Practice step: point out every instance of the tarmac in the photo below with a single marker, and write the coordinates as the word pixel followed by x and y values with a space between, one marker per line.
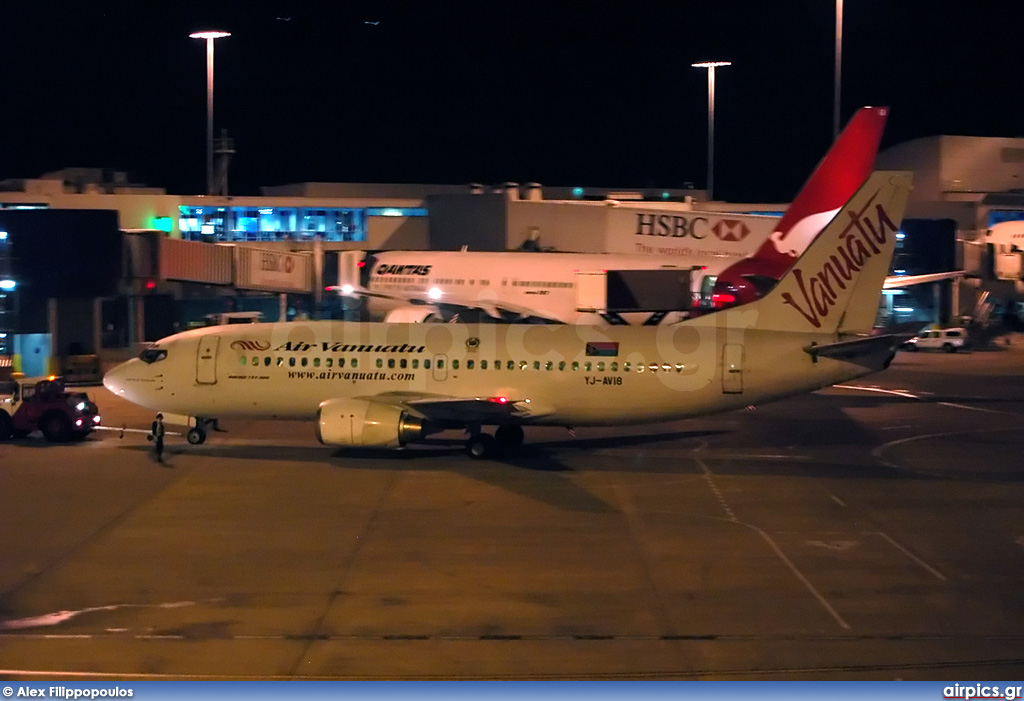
pixel 874 531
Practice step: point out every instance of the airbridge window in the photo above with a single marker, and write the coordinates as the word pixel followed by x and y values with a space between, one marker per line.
pixel 152 355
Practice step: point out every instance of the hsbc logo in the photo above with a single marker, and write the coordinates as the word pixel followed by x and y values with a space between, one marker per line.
pixel 730 230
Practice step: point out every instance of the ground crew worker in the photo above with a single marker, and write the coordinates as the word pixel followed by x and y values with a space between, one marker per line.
pixel 158 437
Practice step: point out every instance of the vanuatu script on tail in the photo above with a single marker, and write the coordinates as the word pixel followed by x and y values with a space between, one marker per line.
pixel 858 243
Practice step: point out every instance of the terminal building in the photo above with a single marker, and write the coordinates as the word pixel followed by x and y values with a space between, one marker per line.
pixel 161 262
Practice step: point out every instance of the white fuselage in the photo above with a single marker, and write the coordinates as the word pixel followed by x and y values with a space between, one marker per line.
pixel 556 375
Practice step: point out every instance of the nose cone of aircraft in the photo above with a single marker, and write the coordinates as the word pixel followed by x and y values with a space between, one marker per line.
pixel 113 380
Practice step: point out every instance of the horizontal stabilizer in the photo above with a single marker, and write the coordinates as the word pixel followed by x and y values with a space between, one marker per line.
pixel 862 346
pixel 898 281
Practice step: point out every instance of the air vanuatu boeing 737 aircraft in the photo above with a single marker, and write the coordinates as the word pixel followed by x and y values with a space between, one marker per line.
pixel 385 385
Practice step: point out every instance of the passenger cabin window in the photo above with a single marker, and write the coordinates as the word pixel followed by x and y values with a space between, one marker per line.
pixel 455 364
pixel 152 355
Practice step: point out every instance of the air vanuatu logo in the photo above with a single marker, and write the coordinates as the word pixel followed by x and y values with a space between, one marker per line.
pixel 247 345
pixel 858 243
pixel 730 230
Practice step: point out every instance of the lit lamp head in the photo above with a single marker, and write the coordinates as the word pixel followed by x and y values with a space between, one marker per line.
pixel 711 64
pixel 209 34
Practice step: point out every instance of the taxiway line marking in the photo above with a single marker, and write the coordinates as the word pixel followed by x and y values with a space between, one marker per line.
pixel 912 556
pixel 799 575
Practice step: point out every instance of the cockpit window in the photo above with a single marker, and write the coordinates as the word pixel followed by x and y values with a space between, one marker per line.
pixel 152 355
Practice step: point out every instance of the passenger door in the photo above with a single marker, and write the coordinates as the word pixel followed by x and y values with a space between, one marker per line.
pixel 206 360
pixel 732 368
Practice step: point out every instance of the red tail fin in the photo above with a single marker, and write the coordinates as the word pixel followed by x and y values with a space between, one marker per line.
pixel 841 172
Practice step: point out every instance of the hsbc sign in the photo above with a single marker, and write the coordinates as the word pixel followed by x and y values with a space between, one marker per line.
pixel 686 233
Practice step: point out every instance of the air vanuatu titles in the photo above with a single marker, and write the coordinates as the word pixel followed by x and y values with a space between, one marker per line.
pixel 303 347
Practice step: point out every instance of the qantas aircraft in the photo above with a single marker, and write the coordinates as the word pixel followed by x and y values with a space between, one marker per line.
pixel 413 286
pixel 386 385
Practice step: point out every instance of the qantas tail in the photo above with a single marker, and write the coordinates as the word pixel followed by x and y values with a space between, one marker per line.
pixel 843 169
pixel 834 287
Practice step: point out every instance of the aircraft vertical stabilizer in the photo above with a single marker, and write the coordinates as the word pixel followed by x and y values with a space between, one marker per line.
pixel 835 285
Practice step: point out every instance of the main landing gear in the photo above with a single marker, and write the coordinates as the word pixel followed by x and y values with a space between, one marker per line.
pixel 481 445
pixel 197 434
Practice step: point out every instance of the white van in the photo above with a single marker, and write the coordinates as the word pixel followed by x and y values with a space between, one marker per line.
pixel 949 340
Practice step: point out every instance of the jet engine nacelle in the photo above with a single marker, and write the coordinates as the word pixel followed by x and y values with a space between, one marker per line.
pixel 359 423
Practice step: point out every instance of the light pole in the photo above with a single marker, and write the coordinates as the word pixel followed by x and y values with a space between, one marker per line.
pixel 209 36
pixel 839 69
pixel 711 66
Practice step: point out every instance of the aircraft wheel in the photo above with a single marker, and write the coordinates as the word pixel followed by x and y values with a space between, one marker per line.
pixel 479 446
pixel 509 435
pixel 196 436
pixel 6 426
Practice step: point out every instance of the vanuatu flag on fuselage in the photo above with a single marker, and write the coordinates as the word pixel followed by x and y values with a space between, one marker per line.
pixel 603 348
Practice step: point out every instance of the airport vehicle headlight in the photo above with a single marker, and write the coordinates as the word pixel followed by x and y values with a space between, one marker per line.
pixel 80 406
pixel 78 423
pixel 96 419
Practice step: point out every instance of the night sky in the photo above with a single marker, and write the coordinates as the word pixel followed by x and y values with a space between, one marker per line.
pixel 492 91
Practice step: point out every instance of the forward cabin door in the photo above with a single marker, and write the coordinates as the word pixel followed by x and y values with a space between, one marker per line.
pixel 206 360
pixel 732 368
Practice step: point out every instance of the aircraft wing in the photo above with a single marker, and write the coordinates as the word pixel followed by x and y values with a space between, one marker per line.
pixel 463 410
pixel 897 281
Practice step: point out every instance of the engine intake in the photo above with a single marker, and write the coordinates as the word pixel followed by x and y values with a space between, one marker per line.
pixel 359 423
